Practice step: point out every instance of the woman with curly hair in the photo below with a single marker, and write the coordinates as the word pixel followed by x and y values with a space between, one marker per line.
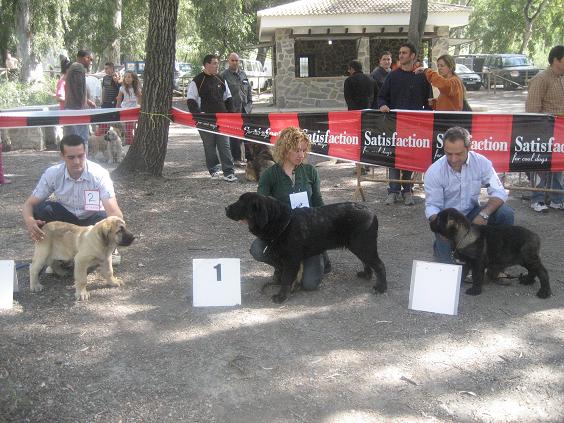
pixel 291 175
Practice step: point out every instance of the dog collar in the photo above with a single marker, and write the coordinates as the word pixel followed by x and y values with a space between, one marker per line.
pixel 458 244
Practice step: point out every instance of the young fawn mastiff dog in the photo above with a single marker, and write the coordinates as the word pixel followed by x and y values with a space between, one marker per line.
pixel 86 245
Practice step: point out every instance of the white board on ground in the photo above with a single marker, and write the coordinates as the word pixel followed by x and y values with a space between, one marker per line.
pixel 216 282
pixel 435 287
pixel 8 283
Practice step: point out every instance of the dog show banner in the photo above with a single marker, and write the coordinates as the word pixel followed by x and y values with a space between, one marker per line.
pixel 409 140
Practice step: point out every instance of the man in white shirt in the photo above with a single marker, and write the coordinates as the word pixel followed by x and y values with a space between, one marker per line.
pixel 455 180
pixel 84 193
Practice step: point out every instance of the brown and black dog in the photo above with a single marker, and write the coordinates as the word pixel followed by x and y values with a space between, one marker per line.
pixel 494 248
pixel 260 160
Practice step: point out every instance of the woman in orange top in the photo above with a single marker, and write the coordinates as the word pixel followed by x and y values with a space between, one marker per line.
pixel 450 86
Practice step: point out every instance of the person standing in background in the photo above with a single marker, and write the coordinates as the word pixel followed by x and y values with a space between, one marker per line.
pixel 76 97
pixel 129 96
pixel 546 95
pixel 242 95
pixel 110 90
pixel 60 89
pixel 448 83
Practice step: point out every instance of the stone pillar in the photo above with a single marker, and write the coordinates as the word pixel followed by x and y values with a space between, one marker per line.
pixel 285 65
pixel 439 45
pixel 364 54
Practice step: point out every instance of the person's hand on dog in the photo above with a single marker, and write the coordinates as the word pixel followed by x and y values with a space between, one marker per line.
pixel 34 229
pixel 479 220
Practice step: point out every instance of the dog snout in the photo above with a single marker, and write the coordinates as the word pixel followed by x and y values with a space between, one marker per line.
pixel 126 238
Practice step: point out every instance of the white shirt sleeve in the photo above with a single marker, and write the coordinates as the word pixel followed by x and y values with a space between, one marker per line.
pixel 434 192
pixel 45 185
pixel 192 93
pixel 227 92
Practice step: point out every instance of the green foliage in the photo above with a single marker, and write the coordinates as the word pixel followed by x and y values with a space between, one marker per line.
pixel 17 94
pixel 498 26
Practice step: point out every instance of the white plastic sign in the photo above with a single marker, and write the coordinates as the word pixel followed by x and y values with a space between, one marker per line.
pixel 216 282
pixel 435 287
pixel 8 283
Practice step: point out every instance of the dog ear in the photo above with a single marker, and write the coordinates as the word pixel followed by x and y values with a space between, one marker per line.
pixel 108 231
pixel 259 214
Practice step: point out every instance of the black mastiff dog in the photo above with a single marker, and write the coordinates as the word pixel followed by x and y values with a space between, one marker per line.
pixel 293 235
pixel 494 248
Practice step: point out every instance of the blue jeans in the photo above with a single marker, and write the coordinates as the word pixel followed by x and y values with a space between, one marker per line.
pixel 396 186
pixel 550 180
pixel 442 248
pixel 213 142
pixel 314 267
pixel 50 211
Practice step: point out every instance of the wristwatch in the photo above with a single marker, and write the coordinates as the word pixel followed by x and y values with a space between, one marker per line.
pixel 484 215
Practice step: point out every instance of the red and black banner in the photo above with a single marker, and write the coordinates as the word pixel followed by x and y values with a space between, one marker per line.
pixel 403 139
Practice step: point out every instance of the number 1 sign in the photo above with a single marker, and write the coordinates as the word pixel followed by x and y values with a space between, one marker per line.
pixel 216 282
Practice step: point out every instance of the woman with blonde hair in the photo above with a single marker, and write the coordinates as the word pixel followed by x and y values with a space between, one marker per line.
pixel 450 86
pixel 292 175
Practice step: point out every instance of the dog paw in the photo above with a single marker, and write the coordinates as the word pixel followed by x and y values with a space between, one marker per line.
pixel 36 288
pixel 526 279
pixel 364 275
pixel 279 299
pixel 475 290
pixel 82 295
pixel 115 282
pixel 544 293
pixel 380 289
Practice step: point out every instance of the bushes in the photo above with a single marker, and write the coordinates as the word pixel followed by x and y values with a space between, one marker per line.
pixel 17 94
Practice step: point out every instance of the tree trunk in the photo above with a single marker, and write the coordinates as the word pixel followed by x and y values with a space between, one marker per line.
pixel 148 152
pixel 23 35
pixel 417 20
pixel 530 15
pixel 114 47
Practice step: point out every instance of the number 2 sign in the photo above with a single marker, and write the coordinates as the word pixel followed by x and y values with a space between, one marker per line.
pixel 216 282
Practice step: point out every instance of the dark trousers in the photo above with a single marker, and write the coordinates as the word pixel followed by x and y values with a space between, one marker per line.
pixel 50 211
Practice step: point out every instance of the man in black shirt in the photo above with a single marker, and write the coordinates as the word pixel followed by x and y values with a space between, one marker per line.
pixel 209 93
pixel 359 88
pixel 403 89
pixel 110 90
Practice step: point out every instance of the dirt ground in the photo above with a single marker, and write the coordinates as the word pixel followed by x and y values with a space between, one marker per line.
pixel 142 353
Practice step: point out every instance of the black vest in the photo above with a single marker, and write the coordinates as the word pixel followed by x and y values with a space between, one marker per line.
pixel 211 89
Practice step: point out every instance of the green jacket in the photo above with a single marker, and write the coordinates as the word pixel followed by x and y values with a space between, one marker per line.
pixel 275 183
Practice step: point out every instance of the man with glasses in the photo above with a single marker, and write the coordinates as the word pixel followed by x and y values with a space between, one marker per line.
pixel 76 96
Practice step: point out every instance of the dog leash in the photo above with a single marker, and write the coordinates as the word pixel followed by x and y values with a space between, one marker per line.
pixel 279 233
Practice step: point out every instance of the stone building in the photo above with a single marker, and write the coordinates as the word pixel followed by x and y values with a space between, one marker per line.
pixel 313 40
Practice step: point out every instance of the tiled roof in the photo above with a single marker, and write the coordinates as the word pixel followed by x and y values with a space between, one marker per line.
pixel 352 7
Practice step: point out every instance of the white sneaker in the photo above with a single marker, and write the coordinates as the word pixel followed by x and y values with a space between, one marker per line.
pixel 557 206
pixel 391 198
pixel 215 175
pixel 230 178
pixel 49 270
pixel 408 199
pixel 539 207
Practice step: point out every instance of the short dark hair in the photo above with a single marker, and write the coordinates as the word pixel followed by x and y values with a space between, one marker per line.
pixel 355 65
pixel 385 53
pixel 410 46
pixel 556 53
pixel 110 64
pixel 457 133
pixel 71 140
pixel 83 53
pixel 209 57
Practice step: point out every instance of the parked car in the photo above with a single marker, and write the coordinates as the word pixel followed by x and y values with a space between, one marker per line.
pixel 474 62
pixel 470 79
pixel 183 74
pixel 510 70
pixel 258 75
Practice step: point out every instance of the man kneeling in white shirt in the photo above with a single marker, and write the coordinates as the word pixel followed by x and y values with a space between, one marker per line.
pixel 455 180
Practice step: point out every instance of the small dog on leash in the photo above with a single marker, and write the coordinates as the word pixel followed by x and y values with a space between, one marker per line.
pixel 109 144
